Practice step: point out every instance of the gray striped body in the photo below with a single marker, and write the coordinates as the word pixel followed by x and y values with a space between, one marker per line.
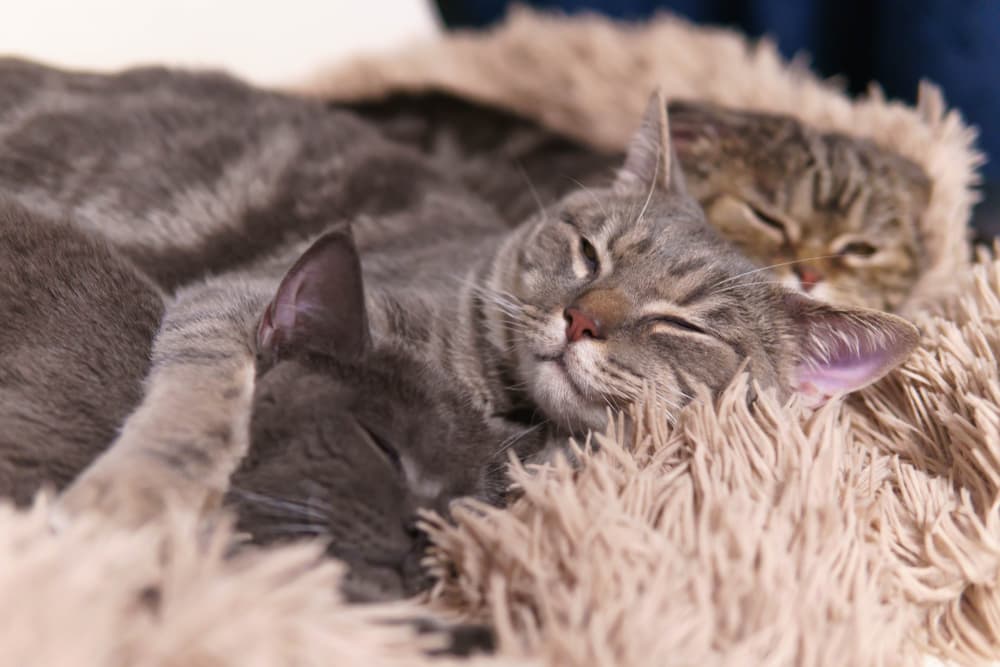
pixel 214 189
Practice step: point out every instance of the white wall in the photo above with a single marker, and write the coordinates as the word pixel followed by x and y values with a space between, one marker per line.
pixel 267 42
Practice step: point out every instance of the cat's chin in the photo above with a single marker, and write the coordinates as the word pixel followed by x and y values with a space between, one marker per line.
pixel 561 397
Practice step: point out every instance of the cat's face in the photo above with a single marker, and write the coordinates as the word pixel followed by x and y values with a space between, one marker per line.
pixel 837 217
pixel 612 289
pixel 350 440
pixel 615 291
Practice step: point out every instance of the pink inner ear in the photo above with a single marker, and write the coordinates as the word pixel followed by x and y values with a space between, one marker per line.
pixel 681 137
pixel 845 349
pixel 847 371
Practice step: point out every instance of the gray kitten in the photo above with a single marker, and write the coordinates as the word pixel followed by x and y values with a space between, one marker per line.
pixel 349 439
pixel 214 189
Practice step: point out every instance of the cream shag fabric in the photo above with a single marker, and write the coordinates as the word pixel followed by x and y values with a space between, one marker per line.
pixel 863 534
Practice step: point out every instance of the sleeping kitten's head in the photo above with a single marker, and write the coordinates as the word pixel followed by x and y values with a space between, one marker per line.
pixel 839 215
pixel 611 288
pixel 349 438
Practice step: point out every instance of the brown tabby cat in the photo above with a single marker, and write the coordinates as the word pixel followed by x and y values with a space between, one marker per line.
pixel 833 215
pixel 215 190
pixel 838 215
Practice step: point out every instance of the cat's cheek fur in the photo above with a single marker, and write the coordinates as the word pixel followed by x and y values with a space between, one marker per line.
pixel 582 362
pixel 556 389
pixel 552 335
pixel 791 281
pixel 546 339
pixel 569 388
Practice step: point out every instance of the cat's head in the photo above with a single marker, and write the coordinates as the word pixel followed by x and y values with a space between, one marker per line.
pixel 613 288
pixel 349 438
pixel 837 215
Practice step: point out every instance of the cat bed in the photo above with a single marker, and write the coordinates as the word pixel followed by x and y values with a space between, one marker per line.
pixel 866 533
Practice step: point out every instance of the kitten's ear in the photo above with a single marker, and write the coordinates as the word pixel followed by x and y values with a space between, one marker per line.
pixel 697 129
pixel 915 183
pixel 320 304
pixel 650 161
pixel 845 349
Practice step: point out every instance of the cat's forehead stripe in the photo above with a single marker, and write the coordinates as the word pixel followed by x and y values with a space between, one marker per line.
pixel 686 267
pixel 628 236
pixel 702 289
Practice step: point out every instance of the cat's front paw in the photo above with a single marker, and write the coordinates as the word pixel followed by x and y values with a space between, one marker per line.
pixel 127 494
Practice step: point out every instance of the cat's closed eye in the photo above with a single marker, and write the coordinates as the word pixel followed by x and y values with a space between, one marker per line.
pixel 767 219
pixel 858 249
pixel 673 322
pixel 382 445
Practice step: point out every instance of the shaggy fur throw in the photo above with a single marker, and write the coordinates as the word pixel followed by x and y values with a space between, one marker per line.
pixel 866 533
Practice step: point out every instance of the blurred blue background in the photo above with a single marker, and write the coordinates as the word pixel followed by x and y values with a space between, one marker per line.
pixel 954 43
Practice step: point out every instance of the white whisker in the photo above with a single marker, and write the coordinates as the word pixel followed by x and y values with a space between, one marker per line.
pixel 534 192
pixel 593 195
pixel 757 283
pixel 289 507
pixel 652 187
pixel 773 266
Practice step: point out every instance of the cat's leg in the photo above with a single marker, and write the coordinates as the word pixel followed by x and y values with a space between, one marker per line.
pixel 191 429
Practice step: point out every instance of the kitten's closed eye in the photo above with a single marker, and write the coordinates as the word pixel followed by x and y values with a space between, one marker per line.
pixel 380 443
pixel 858 249
pixel 767 219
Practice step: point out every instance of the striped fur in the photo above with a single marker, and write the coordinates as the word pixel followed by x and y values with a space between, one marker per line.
pixel 214 189
pixel 828 212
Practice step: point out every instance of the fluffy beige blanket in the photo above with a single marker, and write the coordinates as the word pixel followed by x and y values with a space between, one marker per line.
pixel 866 533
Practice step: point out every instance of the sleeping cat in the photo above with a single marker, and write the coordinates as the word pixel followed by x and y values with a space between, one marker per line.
pixel 349 439
pixel 839 212
pixel 214 189
pixel 78 325
pixel 835 216
pixel 344 439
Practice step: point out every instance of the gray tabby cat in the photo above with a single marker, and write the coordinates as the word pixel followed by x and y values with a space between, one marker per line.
pixel 833 215
pixel 215 188
pixel 194 175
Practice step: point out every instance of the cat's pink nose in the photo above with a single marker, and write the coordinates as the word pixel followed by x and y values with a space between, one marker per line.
pixel 581 325
pixel 808 277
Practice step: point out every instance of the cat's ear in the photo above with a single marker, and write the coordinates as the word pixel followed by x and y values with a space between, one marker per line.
pixel 320 304
pixel 699 128
pixel 651 161
pixel 844 349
